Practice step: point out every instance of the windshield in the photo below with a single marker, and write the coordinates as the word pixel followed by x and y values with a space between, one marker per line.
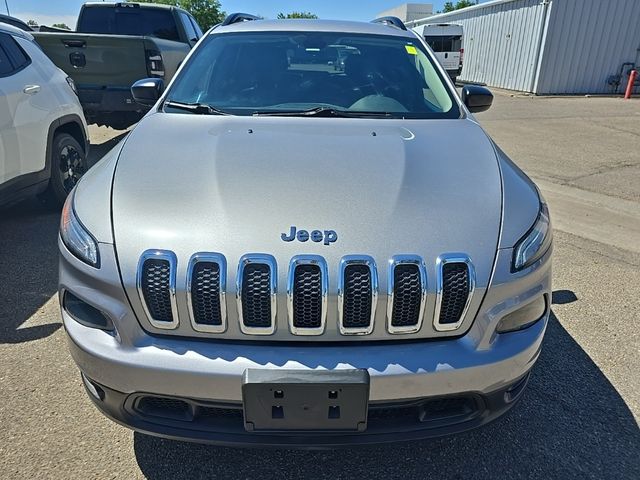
pixel 129 21
pixel 292 72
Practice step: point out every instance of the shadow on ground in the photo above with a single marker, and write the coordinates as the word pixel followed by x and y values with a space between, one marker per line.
pixel 571 423
pixel 29 268
pixel 29 261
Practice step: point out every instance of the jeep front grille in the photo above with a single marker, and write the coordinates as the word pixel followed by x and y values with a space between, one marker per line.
pixel 256 292
pixel 307 295
pixel 357 295
pixel 407 294
pixel 156 284
pixel 456 283
pixel 206 289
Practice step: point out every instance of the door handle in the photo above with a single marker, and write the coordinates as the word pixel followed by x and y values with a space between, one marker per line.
pixel 31 89
pixel 74 43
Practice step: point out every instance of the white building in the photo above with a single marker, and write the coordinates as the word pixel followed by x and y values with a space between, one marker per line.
pixel 409 11
pixel 549 46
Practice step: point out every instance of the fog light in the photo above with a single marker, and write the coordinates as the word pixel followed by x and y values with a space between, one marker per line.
pixel 524 316
pixel 84 313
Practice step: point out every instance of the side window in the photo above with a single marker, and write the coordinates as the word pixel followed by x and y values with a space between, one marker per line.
pixel 196 27
pixel 5 66
pixel 188 27
pixel 12 57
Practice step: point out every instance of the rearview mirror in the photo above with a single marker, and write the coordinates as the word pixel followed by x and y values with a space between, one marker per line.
pixel 477 98
pixel 147 91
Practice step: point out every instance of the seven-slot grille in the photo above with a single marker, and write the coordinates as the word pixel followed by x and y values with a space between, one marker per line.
pixel 205 294
pixel 206 285
pixel 307 297
pixel 256 302
pixel 407 293
pixel 307 289
pixel 256 290
pixel 156 287
pixel 155 284
pixel 307 294
pixel 357 295
pixel 407 296
pixel 456 282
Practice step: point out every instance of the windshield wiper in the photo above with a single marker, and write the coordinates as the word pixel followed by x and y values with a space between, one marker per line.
pixel 197 108
pixel 319 112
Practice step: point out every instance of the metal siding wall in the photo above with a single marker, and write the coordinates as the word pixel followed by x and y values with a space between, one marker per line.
pixel 587 41
pixel 500 42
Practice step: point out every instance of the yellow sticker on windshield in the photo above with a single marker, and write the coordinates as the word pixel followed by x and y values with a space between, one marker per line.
pixel 411 50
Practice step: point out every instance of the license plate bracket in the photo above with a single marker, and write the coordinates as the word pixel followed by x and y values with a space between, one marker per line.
pixel 305 400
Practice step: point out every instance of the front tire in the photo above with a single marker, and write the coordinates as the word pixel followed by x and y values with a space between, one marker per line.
pixel 68 164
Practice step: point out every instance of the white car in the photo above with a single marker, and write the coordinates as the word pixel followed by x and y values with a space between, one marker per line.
pixel 43 132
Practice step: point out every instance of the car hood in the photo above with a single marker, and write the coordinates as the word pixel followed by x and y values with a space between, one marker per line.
pixel 234 185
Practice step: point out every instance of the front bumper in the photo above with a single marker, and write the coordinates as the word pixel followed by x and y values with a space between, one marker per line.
pixel 482 368
pixel 406 378
pixel 213 370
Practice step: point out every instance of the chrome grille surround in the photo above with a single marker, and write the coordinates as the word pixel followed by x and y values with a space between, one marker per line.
pixel 270 262
pixel 371 264
pixel 393 263
pixel 441 261
pixel 208 257
pixel 171 258
pixel 324 279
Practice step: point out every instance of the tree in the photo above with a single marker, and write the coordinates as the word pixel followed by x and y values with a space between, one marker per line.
pixel 61 25
pixel 32 23
pixel 282 16
pixel 206 12
pixel 450 7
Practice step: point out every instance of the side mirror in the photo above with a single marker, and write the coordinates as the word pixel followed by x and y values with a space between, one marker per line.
pixel 476 98
pixel 147 91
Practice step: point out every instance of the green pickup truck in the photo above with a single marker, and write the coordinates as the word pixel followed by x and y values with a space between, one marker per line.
pixel 114 45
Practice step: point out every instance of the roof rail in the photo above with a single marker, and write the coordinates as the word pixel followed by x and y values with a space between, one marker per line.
pixel 392 21
pixel 237 18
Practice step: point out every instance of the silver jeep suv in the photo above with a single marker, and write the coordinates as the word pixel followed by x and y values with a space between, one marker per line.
pixel 308 241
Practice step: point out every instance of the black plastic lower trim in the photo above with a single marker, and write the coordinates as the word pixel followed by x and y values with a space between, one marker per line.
pixel 203 421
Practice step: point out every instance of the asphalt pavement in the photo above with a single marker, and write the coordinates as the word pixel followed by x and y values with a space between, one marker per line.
pixel 578 418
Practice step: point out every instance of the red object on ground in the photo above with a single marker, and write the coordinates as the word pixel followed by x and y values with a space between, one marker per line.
pixel 632 79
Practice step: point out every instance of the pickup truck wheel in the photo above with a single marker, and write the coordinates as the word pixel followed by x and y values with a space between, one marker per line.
pixel 68 164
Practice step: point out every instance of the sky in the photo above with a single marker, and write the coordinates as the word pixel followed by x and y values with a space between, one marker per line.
pixel 47 12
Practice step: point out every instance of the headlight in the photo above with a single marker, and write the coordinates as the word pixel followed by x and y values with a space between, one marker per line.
pixel 535 243
pixel 75 236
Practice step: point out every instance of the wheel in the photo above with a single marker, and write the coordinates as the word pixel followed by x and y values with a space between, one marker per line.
pixel 68 164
